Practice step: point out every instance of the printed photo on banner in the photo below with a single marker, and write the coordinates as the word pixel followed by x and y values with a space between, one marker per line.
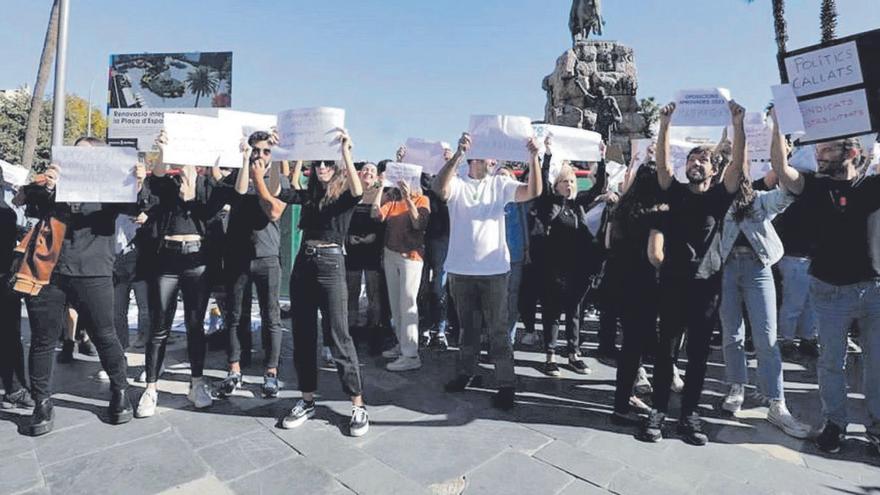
pixel 500 137
pixel 569 143
pixel 702 108
pixel 310 134
pixel 431 155
pixel 99 174
pixel 402 172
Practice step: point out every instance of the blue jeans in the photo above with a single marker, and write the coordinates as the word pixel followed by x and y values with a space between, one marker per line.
pixel 747 281
pixel 796 315
pixel 837 307
pixel 435 258
pixel 513 283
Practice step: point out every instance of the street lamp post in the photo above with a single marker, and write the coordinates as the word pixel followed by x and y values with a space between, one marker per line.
pixel 60 70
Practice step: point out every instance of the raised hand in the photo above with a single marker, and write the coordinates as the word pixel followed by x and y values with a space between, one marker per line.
pixel 666 114
pixel 401 153
pixel 737 112
pixel 405 190
pixel 52 174
pixel 464 143
pixel 258 168
pixel 533 147
pixel 162 140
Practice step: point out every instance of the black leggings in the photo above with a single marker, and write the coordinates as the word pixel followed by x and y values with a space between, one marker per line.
pixel 11 350
pixel 187 272
pixel 639 323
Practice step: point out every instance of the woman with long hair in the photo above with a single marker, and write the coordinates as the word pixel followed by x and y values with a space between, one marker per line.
pixel 634 225
pixel 404 210
pixel 749 248
pixel 318 281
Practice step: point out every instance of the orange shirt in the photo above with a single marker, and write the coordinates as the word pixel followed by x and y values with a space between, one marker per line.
pixel 400 234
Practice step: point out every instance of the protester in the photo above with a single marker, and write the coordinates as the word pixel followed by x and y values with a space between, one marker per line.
pixel 571 258
pixel 82 248
pixel 405 211
pixel 363 259
pixel 749 247
pixel 251 256
pixel 516 228
pixel 185 205
pixel 690 283
pixel 843 287
pixel 636 253
pixel 318 281
pixel 478 262
pixel 125 278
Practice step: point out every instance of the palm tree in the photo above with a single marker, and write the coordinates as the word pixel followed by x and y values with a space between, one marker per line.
pixel 33 122
pixel 828 19
pixel 202 82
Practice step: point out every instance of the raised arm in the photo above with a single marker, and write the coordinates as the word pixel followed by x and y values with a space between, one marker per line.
pixel 734 171
pixel 296 175
pixel 665 173
pixel 443 180
pixel 354 182
pixel 418 215
pixel 273 207
pixel 532 190
pixel 788 176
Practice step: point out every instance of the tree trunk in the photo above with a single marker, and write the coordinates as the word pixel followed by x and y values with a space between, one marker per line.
pixel 48 55
pixel 781 30
pixel 828 20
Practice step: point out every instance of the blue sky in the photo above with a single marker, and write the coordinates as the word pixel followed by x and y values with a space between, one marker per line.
pixel 418 68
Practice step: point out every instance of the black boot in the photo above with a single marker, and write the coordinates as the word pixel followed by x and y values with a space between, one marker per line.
pixel 43 418
pixel 120 410
pixel 66 355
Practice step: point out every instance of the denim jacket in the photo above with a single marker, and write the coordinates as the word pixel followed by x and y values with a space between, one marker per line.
pixel 757 227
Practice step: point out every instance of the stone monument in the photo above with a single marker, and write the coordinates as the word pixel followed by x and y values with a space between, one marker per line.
pixel 594 84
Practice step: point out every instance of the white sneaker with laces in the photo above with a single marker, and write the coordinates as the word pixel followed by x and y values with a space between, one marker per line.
pixel 300 413
pixel 642 385
pixel 780 416
pixel 200 393
pixel 404 363
pixel 147 404
pixel 677 383
pixel 360 421
pixel 392 353
pixel 735 398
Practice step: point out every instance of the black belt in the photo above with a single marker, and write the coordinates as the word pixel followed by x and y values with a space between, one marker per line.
pixel 318 250
pixel 182 247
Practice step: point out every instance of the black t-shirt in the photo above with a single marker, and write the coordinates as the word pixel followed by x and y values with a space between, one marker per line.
pixel 839 211
pixel 89 247
pixel 364 256
pixel 8 235
pixel 179 217
pixel 438 220
pixel 795 227
pixel 629 240
pixel 328 224
pixel 693 221
pixel 249 234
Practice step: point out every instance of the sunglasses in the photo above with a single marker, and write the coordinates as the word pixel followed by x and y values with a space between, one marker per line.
pixel 263 151
pixel 324 165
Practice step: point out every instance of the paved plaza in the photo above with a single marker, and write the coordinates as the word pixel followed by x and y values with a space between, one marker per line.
pixel 558 440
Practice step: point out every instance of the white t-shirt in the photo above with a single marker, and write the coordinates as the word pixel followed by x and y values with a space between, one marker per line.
pixel 477 238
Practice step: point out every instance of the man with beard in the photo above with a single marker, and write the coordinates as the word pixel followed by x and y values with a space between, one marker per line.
pixel 845 282
pixel 690 282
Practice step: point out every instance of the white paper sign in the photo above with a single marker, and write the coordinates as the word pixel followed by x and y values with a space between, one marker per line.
pixel 428 154
pixel 142 125
pixel 757 170
pixel 402 172
pixel 803 158
pixel 788 112
pixel 311 133
pixel 248 122
pixel 759 137
pixel 616 173
pixel 836 115
pixel 95 174
pixel 569 143
pixel 202 141
pixel 500 137
pixel 824 69
pixel 640 150
pixel 702 108
pixel 13 174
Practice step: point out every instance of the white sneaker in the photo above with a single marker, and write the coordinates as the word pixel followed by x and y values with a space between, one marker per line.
pixel 782 418
pixel 530 339
pixel 677 383
pixel 300 413
pixel 142 377
pixel 360 421
pixel 200 393
pixel 101 376
pixel 735 398
pixel 642 385
pixel 147 405
pixel 327 356
pixel 392 353
pixel 404 363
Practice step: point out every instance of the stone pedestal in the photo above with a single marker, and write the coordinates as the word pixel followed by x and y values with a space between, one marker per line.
pixel 575 83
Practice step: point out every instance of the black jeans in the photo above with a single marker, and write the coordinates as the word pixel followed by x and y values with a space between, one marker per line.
pixel 189 273
pixel 612 293
pixel 532 284
pixel 639 324
pixel 563 292
pixel 11 350
pixel 685 303
pixel 318 283
pixel 92 297
pixel 265 273
pixel 123 283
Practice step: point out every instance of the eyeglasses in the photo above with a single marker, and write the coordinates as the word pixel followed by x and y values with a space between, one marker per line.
pixel 263 151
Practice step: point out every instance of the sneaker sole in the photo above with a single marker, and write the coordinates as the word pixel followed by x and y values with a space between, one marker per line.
pixel 289 425
pixel 649 438
pixel 36 431
pixel 408 368
pixel 359 432
pixel 147 414
pixel 121 419
pixel 799 434
pixel 732 411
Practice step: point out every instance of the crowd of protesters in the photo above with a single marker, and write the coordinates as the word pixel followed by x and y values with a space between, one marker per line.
pixel 787 264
